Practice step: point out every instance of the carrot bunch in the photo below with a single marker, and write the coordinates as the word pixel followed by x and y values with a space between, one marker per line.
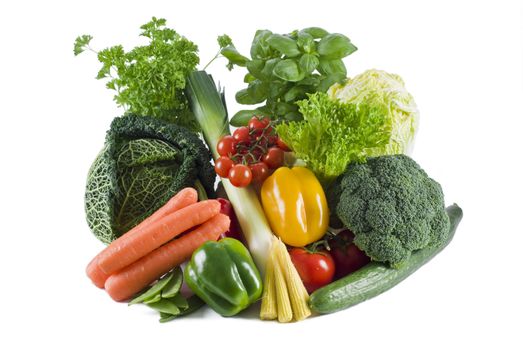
pixel 153 248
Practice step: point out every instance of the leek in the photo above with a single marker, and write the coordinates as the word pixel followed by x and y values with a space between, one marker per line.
pixel 208 106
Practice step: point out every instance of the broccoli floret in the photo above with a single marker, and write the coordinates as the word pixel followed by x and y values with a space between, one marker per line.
pixel 392 207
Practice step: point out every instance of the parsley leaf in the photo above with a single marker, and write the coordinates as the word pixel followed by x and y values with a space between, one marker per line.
pixel 149 80
pixel 81 44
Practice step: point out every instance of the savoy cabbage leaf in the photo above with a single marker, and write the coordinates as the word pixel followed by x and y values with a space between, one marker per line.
pixel 144 163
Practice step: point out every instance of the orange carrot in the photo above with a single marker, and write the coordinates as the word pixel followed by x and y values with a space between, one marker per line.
pixel 97 276
pixel 129 248
pixel 185 197
pixel 133 278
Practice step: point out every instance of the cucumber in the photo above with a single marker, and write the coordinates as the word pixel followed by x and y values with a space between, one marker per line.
pixel 376 278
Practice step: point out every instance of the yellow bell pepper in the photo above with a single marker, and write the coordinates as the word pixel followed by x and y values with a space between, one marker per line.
pixel 295 205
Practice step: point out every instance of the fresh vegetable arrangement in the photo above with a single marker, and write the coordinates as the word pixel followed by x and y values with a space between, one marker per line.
pixel 319 206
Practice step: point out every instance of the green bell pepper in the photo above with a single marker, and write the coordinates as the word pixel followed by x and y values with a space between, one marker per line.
pixel 224 275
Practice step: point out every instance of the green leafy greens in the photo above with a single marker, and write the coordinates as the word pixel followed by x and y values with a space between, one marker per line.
pixel 145 162
pixel 149 80
pixel 371 115
pixel 283 69
pixel 333 134
pixel 378 87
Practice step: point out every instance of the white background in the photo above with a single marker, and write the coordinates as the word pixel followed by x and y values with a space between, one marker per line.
pixel 462 61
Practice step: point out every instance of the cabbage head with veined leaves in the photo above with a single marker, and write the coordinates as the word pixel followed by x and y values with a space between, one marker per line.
pixel 144 162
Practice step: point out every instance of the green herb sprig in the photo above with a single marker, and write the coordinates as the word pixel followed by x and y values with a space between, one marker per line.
pixel 283 69
pixel 150 79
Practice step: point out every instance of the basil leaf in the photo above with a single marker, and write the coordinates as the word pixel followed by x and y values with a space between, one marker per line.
pixel 316 32
pixel 260 48
pixel 329 80
pixel 308 63
pixel 329 67
pixel 293 116
pixel 249 78
pixel 335 46
pixel 241 118
pixel 277 88
pixel 284 108
pixel 288 70
pixel 306 42
pixel 244 97
pixel 267 71
pixel 312 81
pixel 153 291
pixel 258 91
pixel 284 44
pixel 296 92
pixel 173 287
pixel 234 56
pixel 255 68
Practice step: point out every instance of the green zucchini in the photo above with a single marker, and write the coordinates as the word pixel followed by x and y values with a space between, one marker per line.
pixel 376 278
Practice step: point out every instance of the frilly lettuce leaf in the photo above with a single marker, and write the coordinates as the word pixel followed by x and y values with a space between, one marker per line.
pixel 370 115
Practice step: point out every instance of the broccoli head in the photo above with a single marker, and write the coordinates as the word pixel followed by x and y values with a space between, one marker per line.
pixel 392 207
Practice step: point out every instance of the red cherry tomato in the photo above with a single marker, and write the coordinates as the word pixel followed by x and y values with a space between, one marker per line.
pixel 241 135
pixel 273 158
pixel 226 146
pixel 316 269
pixel 282 145
pixel 223 165
pixel 260 171
pixel 256 124
pixel 272 139
pixel 347 256
pixel 266 121
pixel 240 175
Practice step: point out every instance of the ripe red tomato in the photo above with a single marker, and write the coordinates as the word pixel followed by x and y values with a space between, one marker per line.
pixel 282 145
pixel 223 165
pixel 347 256
pixel 241 135
pixel 226 146
pixel 316 269
pixel 273 158
pixel 240 175
pixel 257 124
pixel 260 171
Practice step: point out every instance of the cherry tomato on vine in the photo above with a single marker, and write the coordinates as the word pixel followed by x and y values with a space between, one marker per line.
pixel 272 139
pixel 223 165
pixel 256 124
pixel 266 121
pixel 282 145
pixel 226 146
pixel 273 158
pixel 240 175
pixel 315 269
pixel 241 134
pixel 260 171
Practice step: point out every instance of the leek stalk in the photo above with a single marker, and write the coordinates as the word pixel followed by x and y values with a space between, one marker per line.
pixel 208 105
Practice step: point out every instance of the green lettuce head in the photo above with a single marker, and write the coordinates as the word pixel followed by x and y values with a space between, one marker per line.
pixel 384 90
